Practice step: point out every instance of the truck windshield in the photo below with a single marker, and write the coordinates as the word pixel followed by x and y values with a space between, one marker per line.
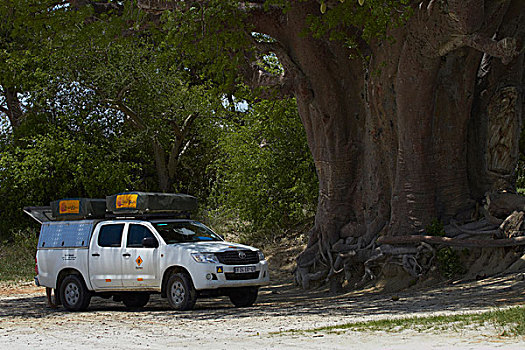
pixel 185 231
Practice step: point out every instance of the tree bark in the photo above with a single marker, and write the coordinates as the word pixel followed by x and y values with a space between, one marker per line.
pixel 419 131
pixel 416 134
pixel 13 107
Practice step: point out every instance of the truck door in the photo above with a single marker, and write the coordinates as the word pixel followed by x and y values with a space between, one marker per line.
pixel 140 265
pixel 105 256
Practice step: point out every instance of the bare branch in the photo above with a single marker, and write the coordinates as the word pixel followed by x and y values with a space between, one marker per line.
pixel 505 49
pixel 188 122
pixel 132 115
pixel 176 150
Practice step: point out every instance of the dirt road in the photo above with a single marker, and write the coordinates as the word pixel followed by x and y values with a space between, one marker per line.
pixel 26 322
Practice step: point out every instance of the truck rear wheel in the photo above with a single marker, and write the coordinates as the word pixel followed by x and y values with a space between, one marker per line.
pixel 180 292
pixel 74 294
pixel 135 300
pixel 244 296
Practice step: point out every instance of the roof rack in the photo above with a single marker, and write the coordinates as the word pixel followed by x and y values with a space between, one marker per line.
pixel 150 216
pixel 127 205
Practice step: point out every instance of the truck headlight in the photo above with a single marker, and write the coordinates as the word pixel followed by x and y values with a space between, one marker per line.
pixel 260 255
pixel 205 258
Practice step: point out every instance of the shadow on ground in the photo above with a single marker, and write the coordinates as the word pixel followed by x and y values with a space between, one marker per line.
pixel 285 300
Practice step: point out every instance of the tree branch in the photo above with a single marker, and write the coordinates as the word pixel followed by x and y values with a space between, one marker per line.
pixel 176 151
pixel 14 111
pixel 505 49
pixel 4 110
pixel 256 77
pixel 132 115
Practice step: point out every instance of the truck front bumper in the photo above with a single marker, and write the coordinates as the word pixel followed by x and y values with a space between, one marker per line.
pixel 215 276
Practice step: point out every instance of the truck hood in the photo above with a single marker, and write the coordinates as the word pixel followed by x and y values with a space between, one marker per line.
pixel 210 247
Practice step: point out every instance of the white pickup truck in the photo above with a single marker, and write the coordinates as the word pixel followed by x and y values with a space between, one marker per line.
pixel 129 259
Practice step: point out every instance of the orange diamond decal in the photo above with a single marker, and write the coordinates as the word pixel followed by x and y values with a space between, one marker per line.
pixel 139 261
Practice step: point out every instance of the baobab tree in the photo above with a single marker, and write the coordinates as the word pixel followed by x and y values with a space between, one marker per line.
pixel 412 110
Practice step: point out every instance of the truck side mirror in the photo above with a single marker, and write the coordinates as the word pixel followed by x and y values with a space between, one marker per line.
pixel 150 242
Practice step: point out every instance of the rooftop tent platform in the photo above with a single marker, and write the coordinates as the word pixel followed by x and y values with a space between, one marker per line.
pixel 150 203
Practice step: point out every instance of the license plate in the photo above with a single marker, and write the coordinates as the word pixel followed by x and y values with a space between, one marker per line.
pixel 244 269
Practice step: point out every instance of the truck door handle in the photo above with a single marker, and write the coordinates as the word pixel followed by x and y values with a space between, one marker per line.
pixel 95 254
pixel 127 255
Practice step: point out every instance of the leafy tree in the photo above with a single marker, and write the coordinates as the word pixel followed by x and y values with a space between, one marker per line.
pixel 59 164
pixel 137 75
pixel 265 172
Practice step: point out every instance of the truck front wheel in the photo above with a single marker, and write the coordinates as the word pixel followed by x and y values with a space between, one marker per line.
pixel 180 292
pixel 244 296
pixel 74 294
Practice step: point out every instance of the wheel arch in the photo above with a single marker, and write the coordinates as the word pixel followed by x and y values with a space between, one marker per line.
pixel 166 276
pixel 70 271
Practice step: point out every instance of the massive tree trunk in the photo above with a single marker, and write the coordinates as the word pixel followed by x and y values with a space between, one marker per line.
pixel 418 133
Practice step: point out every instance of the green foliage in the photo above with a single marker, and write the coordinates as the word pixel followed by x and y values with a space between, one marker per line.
pixel 449 263
pixel 75 70
pixel 266 176
pixel 435 228
pixel 372 19
pixel 210 41
pixel 142 80
pixel 58 165
pixel 18 256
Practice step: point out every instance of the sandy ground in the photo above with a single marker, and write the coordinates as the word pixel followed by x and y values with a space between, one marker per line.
pixel 26 321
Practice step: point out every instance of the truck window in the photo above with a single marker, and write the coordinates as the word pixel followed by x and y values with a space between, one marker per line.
pixel 110 235
pixel 136 234
pixel 185 231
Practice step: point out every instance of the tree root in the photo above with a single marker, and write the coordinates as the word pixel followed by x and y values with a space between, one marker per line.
pixel 466 243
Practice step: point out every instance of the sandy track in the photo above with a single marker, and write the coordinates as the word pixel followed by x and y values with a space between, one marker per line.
pixel 26 322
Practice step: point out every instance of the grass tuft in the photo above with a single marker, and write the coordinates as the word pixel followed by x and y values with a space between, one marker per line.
pixel 508 323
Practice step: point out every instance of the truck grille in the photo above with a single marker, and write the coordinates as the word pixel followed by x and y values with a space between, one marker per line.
pixel 242 276
pixel 238 257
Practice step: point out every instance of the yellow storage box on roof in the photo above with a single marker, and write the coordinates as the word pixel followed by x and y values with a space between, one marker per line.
pixel 126 201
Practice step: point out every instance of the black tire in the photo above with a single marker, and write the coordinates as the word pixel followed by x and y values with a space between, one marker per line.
pixel 135 300
pixel 180 292
pixel 244 296
pixel 74 294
